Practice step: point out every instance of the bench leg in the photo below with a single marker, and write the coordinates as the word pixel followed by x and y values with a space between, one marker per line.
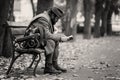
pixel 37 65
pixel 13 60
pixel 34 57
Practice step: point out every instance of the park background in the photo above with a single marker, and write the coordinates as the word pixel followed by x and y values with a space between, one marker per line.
pixel 85 59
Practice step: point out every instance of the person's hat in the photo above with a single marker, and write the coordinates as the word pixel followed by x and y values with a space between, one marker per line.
pixel 58 12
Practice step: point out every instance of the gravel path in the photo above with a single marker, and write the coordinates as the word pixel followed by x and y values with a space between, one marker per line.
pixel 94 59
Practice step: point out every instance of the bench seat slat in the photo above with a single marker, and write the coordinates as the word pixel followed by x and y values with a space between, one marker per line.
pixel 18 24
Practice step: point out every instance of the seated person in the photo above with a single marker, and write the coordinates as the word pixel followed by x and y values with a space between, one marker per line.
pixel 44 24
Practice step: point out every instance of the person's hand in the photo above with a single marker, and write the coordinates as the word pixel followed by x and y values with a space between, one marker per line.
pixel 66 38
pixel 70 37
pixel 63 39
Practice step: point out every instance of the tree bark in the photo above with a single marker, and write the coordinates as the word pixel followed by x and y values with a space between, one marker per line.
pixel 33 7
pixel 70 19
pixel 6 46
pixel 109 23
pixel 43 5
pixel 104 17
pixel 98 15
pixel 113 8
pixel 11 16
pixel 88 7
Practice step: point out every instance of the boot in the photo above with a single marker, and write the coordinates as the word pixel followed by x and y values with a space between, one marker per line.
pixel 57 67
pixel 50 69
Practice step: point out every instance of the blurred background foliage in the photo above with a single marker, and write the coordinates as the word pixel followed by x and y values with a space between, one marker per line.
pixel 79 17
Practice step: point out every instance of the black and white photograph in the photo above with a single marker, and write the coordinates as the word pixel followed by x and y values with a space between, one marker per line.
pixel 59 39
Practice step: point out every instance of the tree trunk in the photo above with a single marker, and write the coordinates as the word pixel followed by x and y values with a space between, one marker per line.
pixel 104 17
pixel 11 16
pixel 6 47
pixel 88 7
pixel 113 8
pixel 70 19
pixel 43 5
pixel 109 23
pixel 98 15
pixel 33 7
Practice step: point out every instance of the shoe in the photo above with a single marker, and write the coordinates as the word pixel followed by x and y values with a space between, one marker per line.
pixel 57 67
pixel 49 69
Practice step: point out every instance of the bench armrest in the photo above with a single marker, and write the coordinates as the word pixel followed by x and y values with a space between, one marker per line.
pixel 27 37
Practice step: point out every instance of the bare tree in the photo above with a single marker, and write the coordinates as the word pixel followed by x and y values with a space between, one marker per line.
pixel 6 47
pixel 88 9
pixel 103 12
pixel 11 16
pixel 71 11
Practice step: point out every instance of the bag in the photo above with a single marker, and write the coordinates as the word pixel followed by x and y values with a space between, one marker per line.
pixel 32 41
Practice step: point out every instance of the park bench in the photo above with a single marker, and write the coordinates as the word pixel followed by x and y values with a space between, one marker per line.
pixel 19 48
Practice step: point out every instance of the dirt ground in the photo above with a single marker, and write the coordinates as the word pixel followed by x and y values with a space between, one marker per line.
pixel 94 59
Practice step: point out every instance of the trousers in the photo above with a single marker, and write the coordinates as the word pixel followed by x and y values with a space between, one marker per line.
pixel 49 58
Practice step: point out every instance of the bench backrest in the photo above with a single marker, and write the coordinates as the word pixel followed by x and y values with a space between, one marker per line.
pixel 18 28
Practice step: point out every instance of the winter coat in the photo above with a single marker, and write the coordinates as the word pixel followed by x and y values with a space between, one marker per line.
pixel 45 28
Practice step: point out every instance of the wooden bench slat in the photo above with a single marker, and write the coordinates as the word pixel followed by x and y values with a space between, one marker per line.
pixel 18 31
pixel 18 24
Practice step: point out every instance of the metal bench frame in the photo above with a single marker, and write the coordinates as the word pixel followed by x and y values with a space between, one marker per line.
pixel 19 50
